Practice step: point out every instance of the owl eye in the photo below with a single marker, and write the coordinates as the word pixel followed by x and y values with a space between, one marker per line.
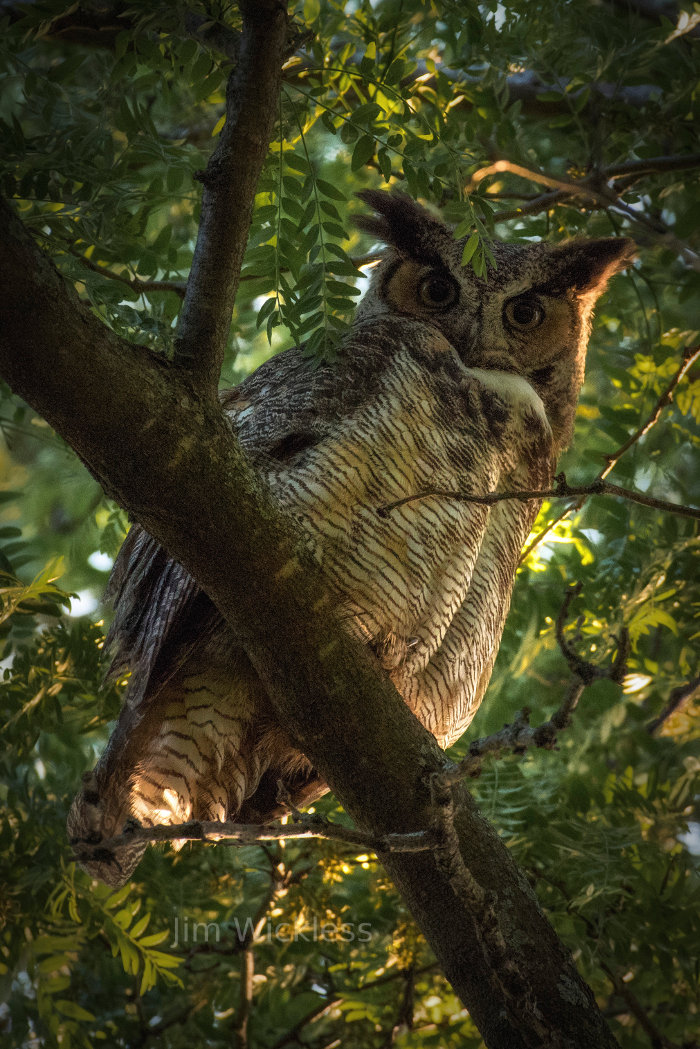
pixel 437 292
pixel 523 313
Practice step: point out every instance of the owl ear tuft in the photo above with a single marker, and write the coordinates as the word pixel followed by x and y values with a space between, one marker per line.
pixel 403 224
pixel 586 265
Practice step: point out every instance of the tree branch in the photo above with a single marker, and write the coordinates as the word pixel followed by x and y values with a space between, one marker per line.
pixel 243 834
pixel 690 356
pixel 135 283
pixel 562 490
pixel 229 183
pixel 592 188
pixel 678 696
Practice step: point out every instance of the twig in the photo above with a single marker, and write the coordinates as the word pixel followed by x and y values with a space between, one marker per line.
pixel 562 490
pixel 135 283
pixel 675 700
pixel 245 999
pixel 589 672
pixel 517 737
pixel 690 356
pixel 241 834
pixel 404 1016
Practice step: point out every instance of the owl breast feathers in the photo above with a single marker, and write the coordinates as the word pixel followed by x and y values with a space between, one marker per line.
pixel 446 381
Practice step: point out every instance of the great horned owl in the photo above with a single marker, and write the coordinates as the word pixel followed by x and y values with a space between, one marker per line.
pixel 446 381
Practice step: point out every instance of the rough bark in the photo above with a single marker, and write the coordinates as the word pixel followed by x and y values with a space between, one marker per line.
pixel 229 192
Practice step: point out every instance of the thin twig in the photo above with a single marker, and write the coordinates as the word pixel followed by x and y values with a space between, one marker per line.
pixel 562 490
pixel 678 696
pixel 517 737
pixel 690 356
pixel 652 166
pixel 135 283
pixel 240 834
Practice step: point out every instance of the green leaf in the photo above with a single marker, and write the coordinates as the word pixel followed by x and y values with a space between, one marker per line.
pixel 330 190
pixel 72 1009
pixel 363 151
pixel 469 249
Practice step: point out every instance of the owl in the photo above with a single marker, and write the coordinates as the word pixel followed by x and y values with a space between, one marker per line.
pixel 445 381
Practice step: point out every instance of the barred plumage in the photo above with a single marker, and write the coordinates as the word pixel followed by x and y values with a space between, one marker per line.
pixel 445 382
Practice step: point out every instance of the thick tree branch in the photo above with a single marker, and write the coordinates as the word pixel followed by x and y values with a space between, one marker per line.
pixel 229 190
pixel 142 430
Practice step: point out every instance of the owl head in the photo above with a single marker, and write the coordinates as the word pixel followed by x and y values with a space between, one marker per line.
pixel 531 316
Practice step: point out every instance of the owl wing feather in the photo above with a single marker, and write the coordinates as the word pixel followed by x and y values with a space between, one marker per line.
pixel 289 405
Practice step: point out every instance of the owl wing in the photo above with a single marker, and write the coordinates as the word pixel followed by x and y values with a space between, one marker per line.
pixel 160 613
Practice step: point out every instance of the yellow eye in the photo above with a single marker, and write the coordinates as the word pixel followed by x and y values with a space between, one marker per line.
pixel 437 291
pixel 524 313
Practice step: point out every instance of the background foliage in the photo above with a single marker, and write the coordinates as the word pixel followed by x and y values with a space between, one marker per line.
pixel 106 114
